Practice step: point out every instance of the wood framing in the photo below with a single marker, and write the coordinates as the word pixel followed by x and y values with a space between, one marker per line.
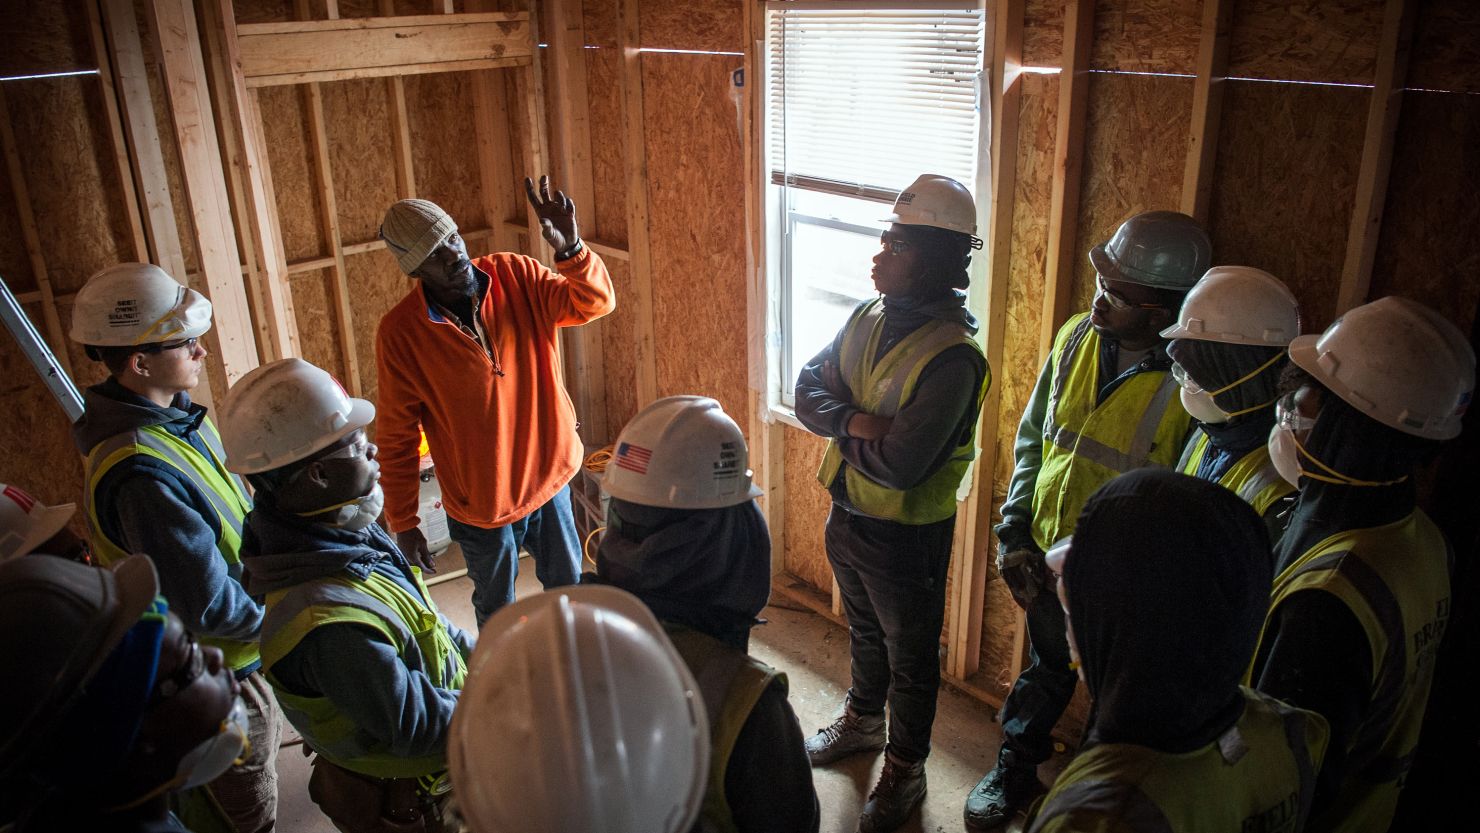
pixel 146 154
pixel 973 526
pixel 395 88
pixel 121 164
pixel 495 159
pixel 26 214
pixel 332 50
pixel 1207 109
pixel 1377 154
pixel 1063 219
pixel 178 46
pixel 638 243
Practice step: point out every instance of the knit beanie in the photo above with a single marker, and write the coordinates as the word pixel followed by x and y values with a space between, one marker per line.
pixel 413 229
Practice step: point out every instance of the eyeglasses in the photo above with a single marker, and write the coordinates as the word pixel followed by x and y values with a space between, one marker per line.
pixel 188 343
pixel 1179 373
pixel 188 672
pixel 1118 301
pixel 895 246
pixel 1286 415
pixel 356 450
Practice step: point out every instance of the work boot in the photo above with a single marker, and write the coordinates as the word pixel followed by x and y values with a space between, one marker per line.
pixel 900 790
pixel 850 733
pixel 1001 793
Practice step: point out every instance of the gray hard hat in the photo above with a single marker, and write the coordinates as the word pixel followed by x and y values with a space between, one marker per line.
pixel 1159 249
pixel 61 621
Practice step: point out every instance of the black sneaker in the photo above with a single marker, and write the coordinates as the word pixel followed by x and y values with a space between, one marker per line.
pixel 845 736
pixel 900 790
pixel 1001 793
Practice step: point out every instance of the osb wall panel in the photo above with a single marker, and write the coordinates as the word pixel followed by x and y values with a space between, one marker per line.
pixel 318 324
pixel 15 264
pixel 1285 184
pixel 1305 40
pixel 376 285
pixel 36 451
pixel 1018 371
pixel 262 11
pixel 608 139
pixel 1043 33
pixel 708 25
pixel 1446 46
pixel 444 147
pixel 285 125
pixel 1427 249
pixel 45 37
pixel 1147 35
pixel 358 126
pixel 618 335
pixel 67 158
pixel 696 201
pixel 807 505
pixel 1134 155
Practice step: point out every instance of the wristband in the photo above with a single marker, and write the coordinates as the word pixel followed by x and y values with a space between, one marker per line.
pixel 570 251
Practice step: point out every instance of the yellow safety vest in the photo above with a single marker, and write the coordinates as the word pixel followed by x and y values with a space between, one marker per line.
pixel 731 683
pixel 1253 478
pixel 383 606
pixel 224 490
pixel 1258 777
pixel 882 387
pixel 1395 580
pixel 1142 423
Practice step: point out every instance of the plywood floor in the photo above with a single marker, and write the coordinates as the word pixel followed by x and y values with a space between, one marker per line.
pixel 814 654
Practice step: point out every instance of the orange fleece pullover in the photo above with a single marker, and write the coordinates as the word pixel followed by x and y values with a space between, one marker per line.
pixel 503 445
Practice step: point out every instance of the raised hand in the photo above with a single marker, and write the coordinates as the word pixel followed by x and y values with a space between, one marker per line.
pixel 557 214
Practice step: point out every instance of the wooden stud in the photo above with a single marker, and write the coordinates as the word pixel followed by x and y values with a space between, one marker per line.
pixel 973 526
pixel 27 216
pixel 146 154
pixel 495 155
pixel 529 83
pixel 1063 219
pixel 1207 109
pixel 633 126
pixel 115 131
pixel 329 217
pixel 178 44
pixel 1377 154
pixel 395 88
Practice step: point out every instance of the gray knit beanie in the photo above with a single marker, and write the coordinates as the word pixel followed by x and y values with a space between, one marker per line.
pixel 413 229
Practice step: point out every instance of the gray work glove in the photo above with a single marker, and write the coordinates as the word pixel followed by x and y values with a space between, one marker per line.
pixel 1024 572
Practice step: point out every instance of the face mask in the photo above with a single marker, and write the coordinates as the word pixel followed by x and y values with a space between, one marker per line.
pixel 1202 408
pixel 218 753
pixel 354 515
pixel 1285 454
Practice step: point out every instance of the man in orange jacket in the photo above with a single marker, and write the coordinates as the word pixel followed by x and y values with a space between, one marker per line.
pixel 470 358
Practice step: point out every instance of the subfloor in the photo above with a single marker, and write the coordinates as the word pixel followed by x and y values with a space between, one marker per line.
pixel 814 654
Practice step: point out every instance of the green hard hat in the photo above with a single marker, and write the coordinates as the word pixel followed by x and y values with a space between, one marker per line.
pixel 1160 249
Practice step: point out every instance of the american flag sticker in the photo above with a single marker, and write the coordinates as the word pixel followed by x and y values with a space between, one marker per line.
pixel 21 498
pixel 633 457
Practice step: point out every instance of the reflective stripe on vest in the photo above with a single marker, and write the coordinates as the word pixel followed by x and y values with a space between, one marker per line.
pixel 882 388
pixel 1263 771
pixel 1395 581
pixel 1253 477
pixel 731 682
pixel 380 604
pixel 222 489
pixel 1142 423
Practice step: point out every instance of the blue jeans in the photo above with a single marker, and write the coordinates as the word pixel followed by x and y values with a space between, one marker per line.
pixel 549 533
pixel 1043 691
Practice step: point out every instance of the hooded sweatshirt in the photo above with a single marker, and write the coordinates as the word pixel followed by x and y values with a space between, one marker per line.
pixel 929 427
pixel 150 508
pixel 356 669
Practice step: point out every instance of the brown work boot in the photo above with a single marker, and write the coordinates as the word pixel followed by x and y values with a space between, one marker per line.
pixel 901 788
pixel 849 734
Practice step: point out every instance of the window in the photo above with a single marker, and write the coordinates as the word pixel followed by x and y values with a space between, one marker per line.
pixel 859 102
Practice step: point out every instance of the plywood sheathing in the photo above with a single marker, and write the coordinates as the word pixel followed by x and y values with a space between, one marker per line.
pixel 701 25
pixel 1427 247
pixel 1283 194
pixel 444 148
pixel 1446 47
pixel 36 451
pixel 1134 158
pixel 357 118
pixel 290 154
pixel 262 11
pixel 376 284
pixel 318 322
pixel 1043 33
pixel 616 346
pixel 608 142
pixel 807 505
pixel 1147 36
pixel 44 37
pixel 1333 41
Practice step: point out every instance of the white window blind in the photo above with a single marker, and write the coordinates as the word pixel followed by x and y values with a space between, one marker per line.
pixel 864 100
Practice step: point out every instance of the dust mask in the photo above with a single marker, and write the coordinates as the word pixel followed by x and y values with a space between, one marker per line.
pixel 354 515
pixel 1284 453
pixel 1202 408
pixel 217 753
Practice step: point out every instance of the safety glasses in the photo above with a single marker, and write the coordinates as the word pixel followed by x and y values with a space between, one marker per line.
pixel 1179 373
pixel 1287 416
pixel 1118 301
pixel 187 343
pixel 188 672
pixel 894 246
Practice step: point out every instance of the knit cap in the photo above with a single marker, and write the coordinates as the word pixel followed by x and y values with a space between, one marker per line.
pixel 413 229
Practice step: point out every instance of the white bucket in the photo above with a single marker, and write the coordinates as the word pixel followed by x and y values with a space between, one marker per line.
pixel 433 515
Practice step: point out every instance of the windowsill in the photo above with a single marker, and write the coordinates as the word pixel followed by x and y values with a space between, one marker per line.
pixel 785 415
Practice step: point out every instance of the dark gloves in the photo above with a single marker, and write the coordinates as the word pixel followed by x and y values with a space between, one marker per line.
pixel 1024 572
pixel 557 217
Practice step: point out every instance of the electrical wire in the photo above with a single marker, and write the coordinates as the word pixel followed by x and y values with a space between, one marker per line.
pixel 586 547
pixel 596 463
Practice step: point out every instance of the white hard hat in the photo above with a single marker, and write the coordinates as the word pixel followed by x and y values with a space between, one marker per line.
pixel 1238 305
pixel 681 452
pixel 1397 361
pixel 137 303
pixel 578 714
pixel 935 200
pixel 282 412
pixel 26 523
